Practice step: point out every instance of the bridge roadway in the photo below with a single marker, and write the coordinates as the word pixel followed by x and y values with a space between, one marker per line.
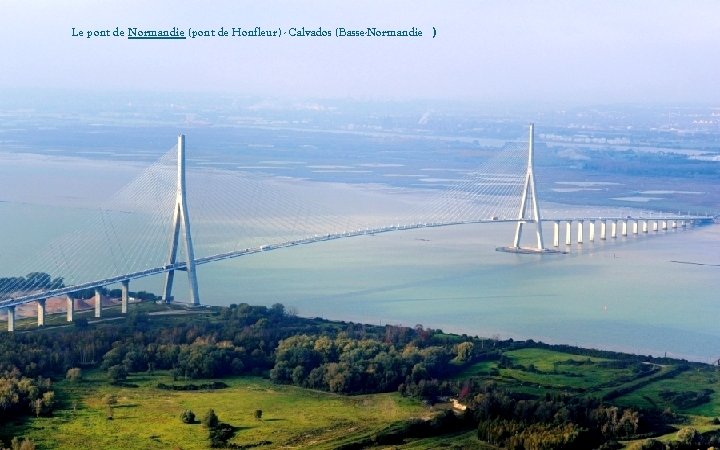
pixel 125 278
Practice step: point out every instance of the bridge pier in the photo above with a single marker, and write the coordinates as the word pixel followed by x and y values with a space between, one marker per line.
pixel 11 318
pixel 635 226
pixel 591 231
pixel 664 225
pixel 580 232
pixel 41 312
pixel 568 237
pixel 98 303
pixel 645 226
pixel 624 227
pixel 683 223
pixel 603 230
pixel 655 225
pixel 556 233
pixel 69 307
pixel 613 229
pixel 674 223
pixel 124 287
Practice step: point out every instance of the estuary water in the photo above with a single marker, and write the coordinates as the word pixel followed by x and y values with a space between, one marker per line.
pixel 625 295
pixel 629 294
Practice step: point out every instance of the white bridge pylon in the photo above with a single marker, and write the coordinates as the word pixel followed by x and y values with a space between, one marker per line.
pixel 181 218
pixel 529 208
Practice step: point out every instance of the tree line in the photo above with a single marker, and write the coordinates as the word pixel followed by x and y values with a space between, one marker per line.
pixel 339 357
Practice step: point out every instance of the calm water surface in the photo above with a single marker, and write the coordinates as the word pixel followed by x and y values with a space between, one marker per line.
pixel 624 295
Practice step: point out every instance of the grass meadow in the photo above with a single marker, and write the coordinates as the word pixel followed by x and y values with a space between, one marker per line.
pixel 146 417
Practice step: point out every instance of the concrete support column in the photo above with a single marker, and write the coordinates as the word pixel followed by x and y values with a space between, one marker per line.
pixel 613 229
pixel 645 226
pixel 41 312
pixel 674 223
pixel 624 228
pixel 556 233
pixel 124 287
pixel 664 225
pixel 591 231
pixel 683 223
pixel 568 233
pixel 98 303
pixel 603 230
pixel 11 318
pixel 655 225
pixel 70 307
pixel 635 227
pixel 580 232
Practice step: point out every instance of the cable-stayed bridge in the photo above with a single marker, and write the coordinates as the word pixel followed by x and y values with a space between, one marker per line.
pixel 146 228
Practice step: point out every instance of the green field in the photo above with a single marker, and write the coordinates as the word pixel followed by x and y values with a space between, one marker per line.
pixel 146 417
pixel 537 371
pixel 692 391
pixel 694 380
pixel 561 371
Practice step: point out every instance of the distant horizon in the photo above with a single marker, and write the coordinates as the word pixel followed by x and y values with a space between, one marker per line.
pixel 24 94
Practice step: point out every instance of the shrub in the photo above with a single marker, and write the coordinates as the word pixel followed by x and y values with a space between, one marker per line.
pixel 647 444
pixel 117 373
pixel 210 419
pixel 110 399
pixel 187 416
pixel 220 434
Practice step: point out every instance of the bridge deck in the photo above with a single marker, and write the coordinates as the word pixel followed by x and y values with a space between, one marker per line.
pixel 310 240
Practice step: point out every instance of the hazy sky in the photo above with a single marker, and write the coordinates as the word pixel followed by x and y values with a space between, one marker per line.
pixel 501 50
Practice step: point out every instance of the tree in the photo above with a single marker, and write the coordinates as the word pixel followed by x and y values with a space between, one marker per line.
pixel 689 436
pixel 258 414
pixel 25 444
pixel 464 351
pixel 43 404
pixel 277 310
pixel 117 373
pixel 74 374
pixel 210 419
pixel 419 372
pixel 628 423
pixel 48 401
pixel 187 416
